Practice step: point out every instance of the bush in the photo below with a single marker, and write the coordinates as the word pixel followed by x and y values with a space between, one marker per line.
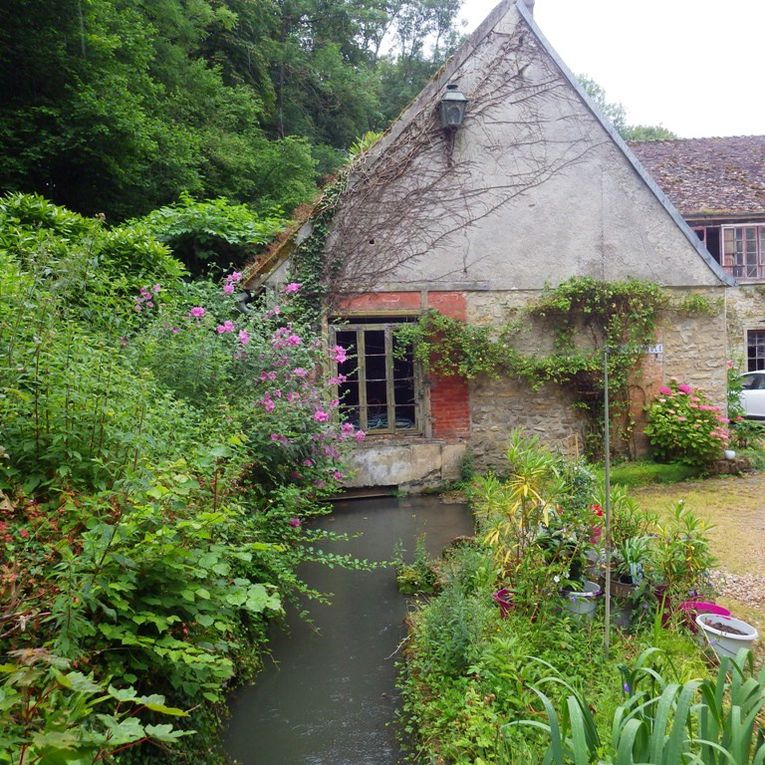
pixel 684 426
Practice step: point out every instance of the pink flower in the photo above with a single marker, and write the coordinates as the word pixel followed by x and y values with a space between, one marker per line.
pixel 228 288
pixel 339 354
pixel 293 396
pixel 337 379
pixel 24 533
pixel 730 364
pixel 360 435
pixel 156 288
pixel 307 463
pixel 337 475
pixel 197 312
pixel 347 428
pixel 320 415
pixel 665 391
pixel 300 372
pixel 267 376
pixel 683 388
pixel 268 403
pixel 294 339
pixel 292 288
pixel 244 336
pixel 235 277
pixel 296 523
pixel 175 330
pixel 227 326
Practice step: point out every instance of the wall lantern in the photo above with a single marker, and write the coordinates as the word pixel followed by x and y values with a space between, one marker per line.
pixel 452 106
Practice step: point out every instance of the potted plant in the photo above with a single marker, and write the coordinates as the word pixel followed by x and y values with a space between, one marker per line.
pixel 630 580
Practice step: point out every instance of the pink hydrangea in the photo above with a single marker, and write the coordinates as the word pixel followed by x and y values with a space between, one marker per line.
pixel 292 288
pixel 197 312
pixel 320 415
pixel 684 388
pixel 296 523
pixel 227 326
pixel 665 391
pixel 244 337
pixel 360 435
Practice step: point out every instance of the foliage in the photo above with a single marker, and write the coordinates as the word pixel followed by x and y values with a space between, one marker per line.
pixel 53 714
pixel 684 426
pixel 162 451
pixel 120 107
pixel 417 577
pixel 683 557
pixel 214 234
pixel 661 722
pixel 468 666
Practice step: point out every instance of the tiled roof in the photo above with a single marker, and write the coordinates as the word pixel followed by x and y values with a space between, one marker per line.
pixel 708 176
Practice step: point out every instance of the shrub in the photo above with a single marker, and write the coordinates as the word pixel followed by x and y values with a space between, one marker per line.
pixel 684 426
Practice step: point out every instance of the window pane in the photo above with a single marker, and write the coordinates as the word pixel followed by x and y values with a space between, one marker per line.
pixel 755 355
pixel 379 393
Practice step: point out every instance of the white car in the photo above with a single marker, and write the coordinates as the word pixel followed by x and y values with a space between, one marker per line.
pixel 753 394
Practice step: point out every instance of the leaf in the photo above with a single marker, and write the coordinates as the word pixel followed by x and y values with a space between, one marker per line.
pixel 165 732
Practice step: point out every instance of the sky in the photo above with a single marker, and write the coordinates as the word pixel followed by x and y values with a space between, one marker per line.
pixel 694 66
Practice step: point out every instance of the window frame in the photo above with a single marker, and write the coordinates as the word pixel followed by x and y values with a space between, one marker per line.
pixel 370 323
pixel 739 270
pixel 752 360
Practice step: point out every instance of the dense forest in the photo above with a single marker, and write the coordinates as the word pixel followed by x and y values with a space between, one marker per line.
pixel 116 107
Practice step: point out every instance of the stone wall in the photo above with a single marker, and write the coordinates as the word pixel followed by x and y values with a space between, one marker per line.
pixel 693 349
pixel 745 309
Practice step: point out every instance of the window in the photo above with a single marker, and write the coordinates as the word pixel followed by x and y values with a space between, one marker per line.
pixel 744 251
pixel 755 350
pixel 379 384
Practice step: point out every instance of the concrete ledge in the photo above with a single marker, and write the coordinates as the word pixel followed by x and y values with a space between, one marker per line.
pixel 412 466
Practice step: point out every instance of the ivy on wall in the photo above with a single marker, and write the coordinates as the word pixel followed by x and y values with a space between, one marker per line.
pixel 584 316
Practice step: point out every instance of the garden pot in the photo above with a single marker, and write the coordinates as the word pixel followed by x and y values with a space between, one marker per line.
pixel 621 589
pixel 582 602
pixel 692 608
pixel 725 634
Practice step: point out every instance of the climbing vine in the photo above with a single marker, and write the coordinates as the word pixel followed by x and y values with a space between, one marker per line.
pixel 584 316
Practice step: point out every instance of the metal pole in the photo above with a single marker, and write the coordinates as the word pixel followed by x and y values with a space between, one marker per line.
pixel 607 498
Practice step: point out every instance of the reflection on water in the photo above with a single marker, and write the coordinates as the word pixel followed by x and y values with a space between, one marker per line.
pixel 329 698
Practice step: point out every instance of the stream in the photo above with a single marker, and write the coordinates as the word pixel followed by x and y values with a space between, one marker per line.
pixel 327 695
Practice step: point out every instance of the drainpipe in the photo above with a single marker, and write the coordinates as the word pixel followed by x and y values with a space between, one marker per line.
pixel 529 4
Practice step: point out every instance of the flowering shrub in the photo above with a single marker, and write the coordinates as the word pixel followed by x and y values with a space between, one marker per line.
pixel 162 448
pixel 684 426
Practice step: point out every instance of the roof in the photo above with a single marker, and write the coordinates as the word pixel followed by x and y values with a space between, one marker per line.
pixel 709 176
pixel 431 91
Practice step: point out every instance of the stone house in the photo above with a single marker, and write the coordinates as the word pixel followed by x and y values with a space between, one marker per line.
pixel 534 188
pixel 718 186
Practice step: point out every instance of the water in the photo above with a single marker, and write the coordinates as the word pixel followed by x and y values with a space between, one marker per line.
pixel 329 696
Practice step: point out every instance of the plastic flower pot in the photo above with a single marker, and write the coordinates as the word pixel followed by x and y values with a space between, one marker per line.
pixel 725 634
pixel 582 602
pixel 692 608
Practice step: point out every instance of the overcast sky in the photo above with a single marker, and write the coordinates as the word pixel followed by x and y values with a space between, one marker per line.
pixel 695 66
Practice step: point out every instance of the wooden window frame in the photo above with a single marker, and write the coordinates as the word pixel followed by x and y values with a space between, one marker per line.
pixel 756 362
pixel 739 270
pixel 361 325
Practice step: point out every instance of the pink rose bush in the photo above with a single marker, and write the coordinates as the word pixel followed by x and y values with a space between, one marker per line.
pixel 683 425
